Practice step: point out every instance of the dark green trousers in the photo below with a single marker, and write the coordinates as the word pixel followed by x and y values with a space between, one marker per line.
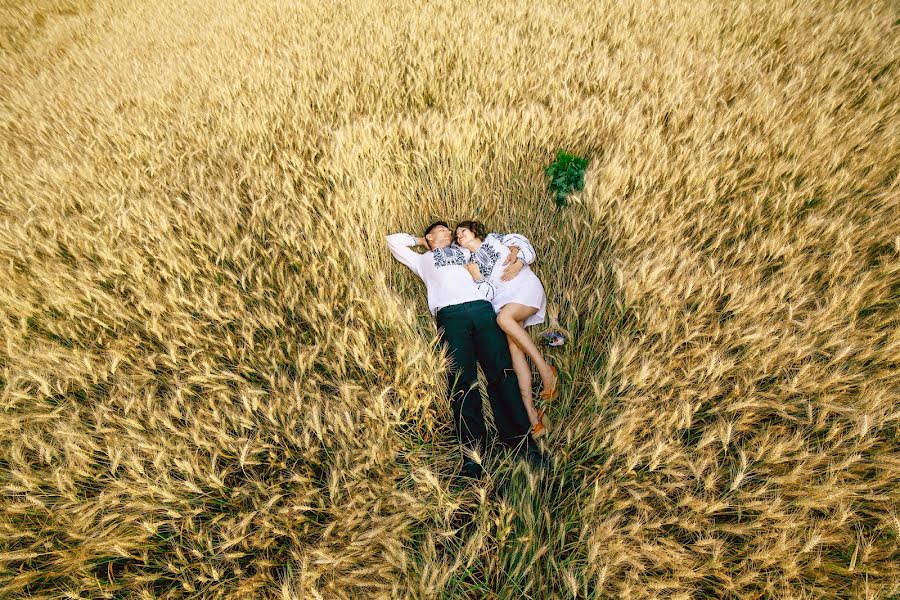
pixel 469 332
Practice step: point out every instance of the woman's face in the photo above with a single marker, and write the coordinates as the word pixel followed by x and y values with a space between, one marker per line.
pixel 464 236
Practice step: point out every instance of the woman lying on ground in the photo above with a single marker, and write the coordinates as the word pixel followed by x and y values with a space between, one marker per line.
pixel 518 298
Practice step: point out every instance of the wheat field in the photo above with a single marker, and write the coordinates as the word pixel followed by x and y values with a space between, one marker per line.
pixel 217 383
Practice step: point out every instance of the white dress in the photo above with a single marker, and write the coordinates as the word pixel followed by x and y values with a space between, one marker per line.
pixel 525 288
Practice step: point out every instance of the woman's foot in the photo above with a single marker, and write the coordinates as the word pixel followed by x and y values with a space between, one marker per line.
pixel 544 419
pixel 551 391
pixel 542 425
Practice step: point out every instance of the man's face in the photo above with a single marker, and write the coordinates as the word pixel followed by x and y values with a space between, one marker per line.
pixel 439 237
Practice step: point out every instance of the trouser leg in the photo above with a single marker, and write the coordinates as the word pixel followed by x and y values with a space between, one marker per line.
pixel 455 333
pixel 492 350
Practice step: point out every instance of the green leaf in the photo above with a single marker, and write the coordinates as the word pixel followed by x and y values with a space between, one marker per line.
pixel 566 174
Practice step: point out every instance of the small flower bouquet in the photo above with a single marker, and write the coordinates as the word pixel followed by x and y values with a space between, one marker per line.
pixel 554 335
pixel 553 338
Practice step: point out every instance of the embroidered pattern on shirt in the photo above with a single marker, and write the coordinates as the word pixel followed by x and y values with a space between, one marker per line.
pixel 485 257
pixel 444 257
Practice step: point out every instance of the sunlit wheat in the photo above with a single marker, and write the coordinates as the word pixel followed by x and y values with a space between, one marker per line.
pixel 216 382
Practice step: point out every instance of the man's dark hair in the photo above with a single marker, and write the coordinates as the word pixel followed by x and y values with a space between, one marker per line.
pixel 476 227
pixel 432 226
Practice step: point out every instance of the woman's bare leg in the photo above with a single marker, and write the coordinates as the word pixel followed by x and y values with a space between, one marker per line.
pixel 510 319
pixel 523 372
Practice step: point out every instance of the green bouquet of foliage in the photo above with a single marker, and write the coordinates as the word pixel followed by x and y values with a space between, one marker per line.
pixel 566 175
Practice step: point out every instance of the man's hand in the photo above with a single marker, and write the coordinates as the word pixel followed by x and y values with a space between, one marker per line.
pixel 422 241
pixel 512 270
pixel 513 252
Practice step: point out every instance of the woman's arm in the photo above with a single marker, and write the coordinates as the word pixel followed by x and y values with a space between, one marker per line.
pixel 473 271
pixel 485 287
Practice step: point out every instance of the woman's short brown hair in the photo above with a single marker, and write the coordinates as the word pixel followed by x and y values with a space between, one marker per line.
pixel 476 227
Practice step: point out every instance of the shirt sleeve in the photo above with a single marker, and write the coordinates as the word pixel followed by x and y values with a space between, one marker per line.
pixel 526 250
pixel 399 244
pixel 485 288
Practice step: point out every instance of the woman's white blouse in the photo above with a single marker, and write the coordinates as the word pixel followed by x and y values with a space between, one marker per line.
pixel 525 288
pixel 490 257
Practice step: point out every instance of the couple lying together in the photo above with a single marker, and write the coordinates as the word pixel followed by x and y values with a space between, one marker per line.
pixel 483 293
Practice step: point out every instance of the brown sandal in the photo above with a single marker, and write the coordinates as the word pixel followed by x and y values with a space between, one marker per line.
pixel 543 424
pixel 548 395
